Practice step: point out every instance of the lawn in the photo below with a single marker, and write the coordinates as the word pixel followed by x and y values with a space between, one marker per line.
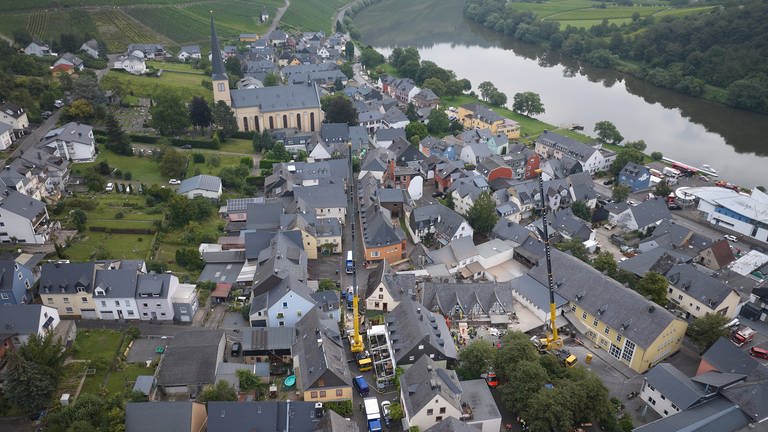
pixel 175 67
pixel 312 15
pixel 117 246
pixel 169 243
pixel 207 168
pixel 142 169
pixel 235 145
pixel 100 348
pixel 186 85
pixel 122 380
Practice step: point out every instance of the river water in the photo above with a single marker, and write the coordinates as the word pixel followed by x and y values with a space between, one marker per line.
pixel 687 129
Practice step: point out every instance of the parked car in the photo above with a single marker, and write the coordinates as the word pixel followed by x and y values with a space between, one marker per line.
pixel 437 194
pixel 730 237
pixel 46 115
pixel 236 349
pixel 186 146
pixel 58 103
pixel 608 182
pixel 110 187
pixel 385 413
pixel 174 181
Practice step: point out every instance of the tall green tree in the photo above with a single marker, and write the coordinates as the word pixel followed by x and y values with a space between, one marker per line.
pixel 706 330
pixel 169 114
pixel 498 99
pixel 486 88
pixel 575 247
pixel 200 113
pixel 654 285
pixel 173 164
pixel 620 193
pixel 437 122
pixel 662 189
pixel 528 103
pixel 117 140
pixel 339 109
pixel 272 80
pixel 482 215
pixel 224 119
pixel 221 391
pixel 475 359
pixel 417 129
pixel 411 113
pixel 28 385
pixel 605 263
pixel 608 133
pixel 349 50
pixel 581 210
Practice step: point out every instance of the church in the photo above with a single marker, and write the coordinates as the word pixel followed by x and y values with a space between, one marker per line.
pixel 257 109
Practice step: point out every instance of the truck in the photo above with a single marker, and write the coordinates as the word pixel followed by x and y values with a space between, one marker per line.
pixel 671 172
pixel 566 358
pixel 364 361
pixel 361 385
pixel 372 414
pixel 742 336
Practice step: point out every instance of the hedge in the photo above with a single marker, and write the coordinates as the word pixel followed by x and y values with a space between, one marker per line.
pixel 255 180
pixel 243 135
pixel 266 163
pixel 146 139
pixel 122 230
pixel 194 143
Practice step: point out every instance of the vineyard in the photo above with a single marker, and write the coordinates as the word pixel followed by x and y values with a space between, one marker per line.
pixel 37 24
pixel 118 30
pixel 173 23
pixel 30 5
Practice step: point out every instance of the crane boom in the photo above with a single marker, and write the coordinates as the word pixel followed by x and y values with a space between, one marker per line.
pixel 356 345
pixel 552 341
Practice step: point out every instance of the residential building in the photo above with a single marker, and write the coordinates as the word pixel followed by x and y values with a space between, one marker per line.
pixel 150 51
pixel 20 321
pixel 698 294
pixel 38 49
pixel 73 141
pixel 165 416
pixel 384 290
pixel 296 416
pixel 154 295
pixel 23 219
pixel 327 201
pixel 266 344
pixel 631 328
pixel 476 116
pixel 257 109
pixel 320 362
pixel 90 47
pixel 68 288
pixel 185 302
pixel 115 294
pixel 385 137
pixel 280 302
pixel 457 254
pixel 481 303
pixel 16 282
pixel 466 190
pixel 132 64
pixel 438 222
pixel 635 176
pixel 494 167
pixel 13 115
pixel 640 217
pixel 416 332
pixel 426 98
pixel 592 159
pixel 189 52
pixel 319 236
pixel 6 136
pixel 668 391
pixel 70 59
pixel 206 186
pixel 382 238
pixel 190 362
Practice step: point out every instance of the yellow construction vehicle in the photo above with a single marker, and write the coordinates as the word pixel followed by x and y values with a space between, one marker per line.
pixel 552 341
pixel 356 343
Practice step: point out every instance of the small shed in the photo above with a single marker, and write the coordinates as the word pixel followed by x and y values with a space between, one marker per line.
pixel 221 292
pixel 145 384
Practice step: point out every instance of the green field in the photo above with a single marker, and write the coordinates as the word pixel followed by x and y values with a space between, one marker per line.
pixel 99 347
pixel 311 15
pixel 143 169
pixel 186 84
pixel 117 29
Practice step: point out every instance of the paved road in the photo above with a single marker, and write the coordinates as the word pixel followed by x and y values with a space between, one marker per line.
pixel 278 17
pixel 36 135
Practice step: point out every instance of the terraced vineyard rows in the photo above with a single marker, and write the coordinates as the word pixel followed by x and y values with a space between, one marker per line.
pixel 173 23
pixel 37 24
pixel 118 30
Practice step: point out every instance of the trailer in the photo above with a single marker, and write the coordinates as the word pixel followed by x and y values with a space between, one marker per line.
pixel 372 414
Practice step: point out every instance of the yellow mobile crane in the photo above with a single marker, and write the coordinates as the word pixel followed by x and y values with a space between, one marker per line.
pixel 552 341
pixel 357 345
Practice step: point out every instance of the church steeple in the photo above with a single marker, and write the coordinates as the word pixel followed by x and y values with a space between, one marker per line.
pixel 219 77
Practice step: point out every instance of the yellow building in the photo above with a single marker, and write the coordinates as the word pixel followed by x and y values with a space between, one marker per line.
pixel 699 294
pixel 68 287
pixel 319 236
pixel 258 109
pixel 479 116
pixel 615 318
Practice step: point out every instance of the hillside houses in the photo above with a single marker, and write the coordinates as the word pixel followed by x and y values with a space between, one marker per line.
pixel 591 159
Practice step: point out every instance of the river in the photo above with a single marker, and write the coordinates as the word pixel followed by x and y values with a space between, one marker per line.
pixel 688 129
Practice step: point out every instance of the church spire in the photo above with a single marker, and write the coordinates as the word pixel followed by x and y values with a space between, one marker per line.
pixel 218 72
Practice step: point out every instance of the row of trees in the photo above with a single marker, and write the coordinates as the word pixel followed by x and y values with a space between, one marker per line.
pixel 427 74
pixel 492 95
pixel 724 46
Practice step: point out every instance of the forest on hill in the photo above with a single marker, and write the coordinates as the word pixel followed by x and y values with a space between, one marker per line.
pixel 720 53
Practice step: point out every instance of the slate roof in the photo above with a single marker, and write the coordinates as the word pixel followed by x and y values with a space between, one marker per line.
pixel 675 385
pixel 324 359
pixel 21 319
pixel 565 222
pixel 641 264
pixel 277 98
pixel 268 338
pixel 66 278
pixel 477 395
pixel 70 132
pixel 625 311
pixel 153 285
pixel 457 250
pixel 483 113
pixel 334 132
pixel 535 292
pixel 424 381
pixel 507 230
pixel 20 204
pixel 117 283
pixel 487 296
pixel 650 211
pixel 320 196
pixel 451 424
pixel 724 356
pixel 398 285
pixel 718 415
pixel 159 416
pixel 569 146
pixel 702 287
pixel 203 181
pixel 5 128
pixel 751 395
pixel 217 64
pixel 377 231
pixel 220 272
pixel 191 358
pixel 445 220
pixel 413 324
pixel 389 134
pixel 276 292
pixel 190 49
pixel 264 216
pixel 294 416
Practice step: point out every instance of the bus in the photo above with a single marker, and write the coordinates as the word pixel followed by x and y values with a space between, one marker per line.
pixel 350 263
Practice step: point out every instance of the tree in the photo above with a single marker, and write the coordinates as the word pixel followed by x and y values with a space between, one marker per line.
pixel 79 218
pixel 326 285
pixel 224 119
pixel 662 189
pixel 28 385
pixel 339 109
pixel 87 87
pixel 581 210
pixel 79 110
pixel 515 348
pixel 417 129
pixel 448 201
pixel 482 215
pixel 525 380
pixel 607 132
pixel 349 50
pixel 257 143
pixel 706 330
pixel 250 381
pixel 575 247
pixel 657 156
pixel 438 122
pixel 189 258
pixel 475 359
pixel 370 58
pixel 620 193
pixel 486 88
pixel 498 99
pixel 638 145
pixel 347 70
pixel 272 80
pixel 411 113
pixel 528 103
pixel 436 85
pixel 221 391
pixel 278 153
pixel 117 140
pixel 654 285
pixel 200 113
pixel 234 67
pixel 173 164
pixel 169 115
pixel 605 263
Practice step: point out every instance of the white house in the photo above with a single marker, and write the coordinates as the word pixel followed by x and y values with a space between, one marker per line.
pixel 37 48
pixel 26 320
pixel 114 293
pixel 14 116
pixel 90 47
pixel 438 220
pixel 189 52
pixel 154 295
pixel 473 153
pixel 23 219
pixel 6 133
pixel 132 64
pixel 73 141
pixel 185 302
pixel 280 302
pixel 591 159
pixel 206 186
